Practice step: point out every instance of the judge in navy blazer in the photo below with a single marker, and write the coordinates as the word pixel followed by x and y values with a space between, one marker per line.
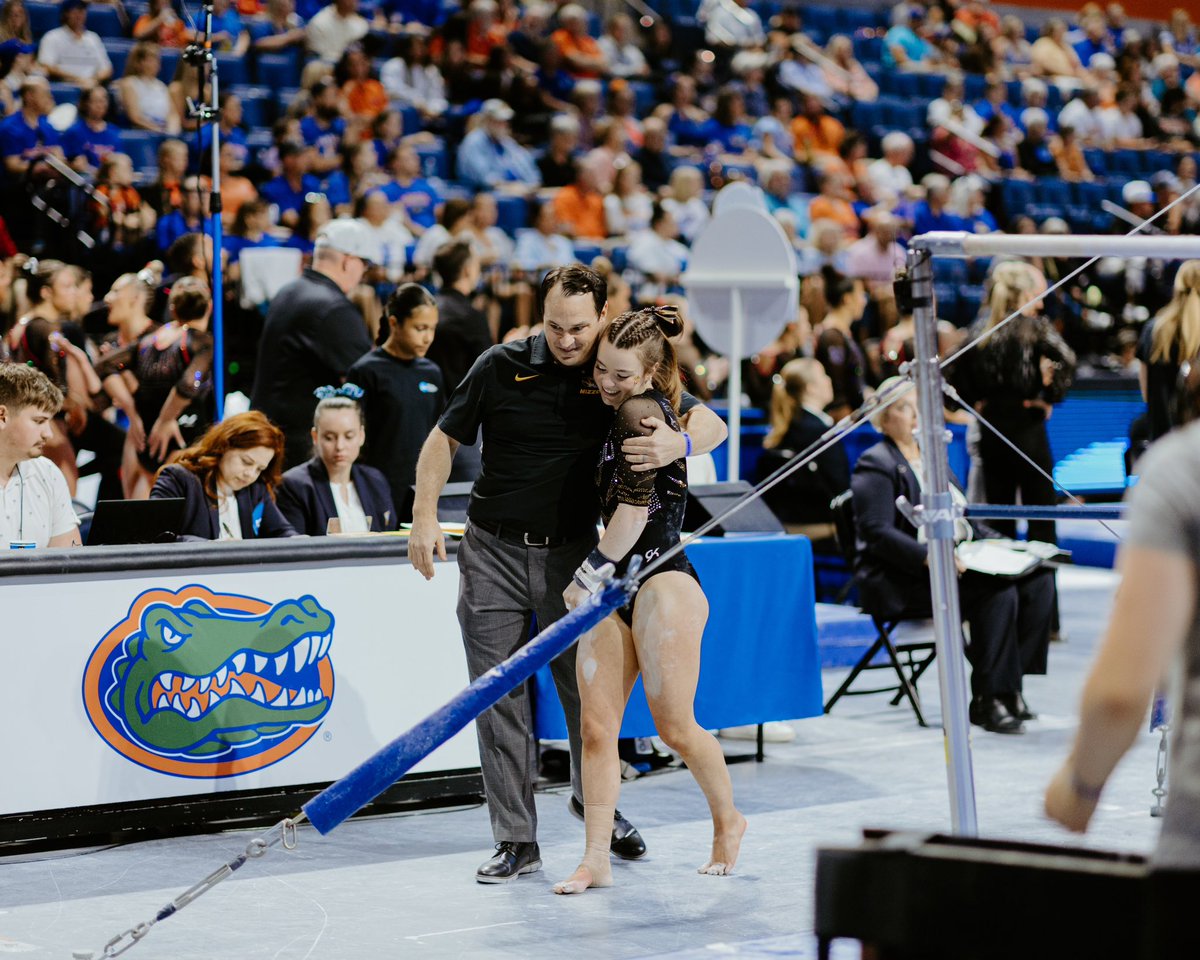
pixel 227 480
pixel 307 492
pixel 306 499
pixel 1009 617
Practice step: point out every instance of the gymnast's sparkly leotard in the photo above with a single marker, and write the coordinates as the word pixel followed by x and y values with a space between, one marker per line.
pixel 663 492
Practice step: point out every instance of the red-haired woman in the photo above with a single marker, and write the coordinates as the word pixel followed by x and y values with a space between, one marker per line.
pixel 228 479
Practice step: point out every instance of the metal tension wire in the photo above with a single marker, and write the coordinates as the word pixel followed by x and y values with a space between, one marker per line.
pixel 283 833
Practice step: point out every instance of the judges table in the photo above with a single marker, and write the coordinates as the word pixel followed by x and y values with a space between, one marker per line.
pixel 173 687
pixel 759 659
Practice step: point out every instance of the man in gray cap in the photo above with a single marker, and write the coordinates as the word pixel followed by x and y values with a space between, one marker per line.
pixel 489 158
pixel 313 334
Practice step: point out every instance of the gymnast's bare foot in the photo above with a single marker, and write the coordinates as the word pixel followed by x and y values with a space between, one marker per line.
pixel 726 844
pixel 585 876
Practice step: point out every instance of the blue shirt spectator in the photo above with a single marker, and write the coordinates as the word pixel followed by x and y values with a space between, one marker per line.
pixel 19 139
pixel 488 156
pixel 925 220
pixel 81 140
pixel 912 47
pixel 325 137
pixel 236 136
pixel 280 193
pixel 419 198
pixel 336 188
pixel 235 245
pixel 173 225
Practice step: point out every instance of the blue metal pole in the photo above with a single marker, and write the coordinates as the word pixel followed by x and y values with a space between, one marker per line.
pixel 993 511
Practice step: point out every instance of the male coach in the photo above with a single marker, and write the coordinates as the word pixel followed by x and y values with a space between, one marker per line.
pixel 531 521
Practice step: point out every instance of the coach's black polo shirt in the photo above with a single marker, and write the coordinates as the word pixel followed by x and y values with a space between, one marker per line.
pixel 543 425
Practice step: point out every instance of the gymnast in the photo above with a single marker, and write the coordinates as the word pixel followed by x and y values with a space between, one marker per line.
pixel 659 633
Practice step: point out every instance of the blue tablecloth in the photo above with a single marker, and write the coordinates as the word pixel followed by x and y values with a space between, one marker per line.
pixel 759 659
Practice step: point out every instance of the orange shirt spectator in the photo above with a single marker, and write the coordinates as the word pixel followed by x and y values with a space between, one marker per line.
pixel 366 98
pixel 580 212
pixel 249 8
pixel 170 33
pixel 572 46
pixel 839 211
pixel 235 191
pixel 817 138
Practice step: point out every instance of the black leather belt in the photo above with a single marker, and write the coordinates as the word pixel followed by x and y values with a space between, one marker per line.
pixel 510 534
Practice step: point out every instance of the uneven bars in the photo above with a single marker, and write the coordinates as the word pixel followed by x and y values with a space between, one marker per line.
pixel 961 244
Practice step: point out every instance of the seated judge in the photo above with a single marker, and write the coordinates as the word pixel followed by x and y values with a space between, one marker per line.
pixel 798 419
pixel 227 479
pixel 1009 617
pixel 333 485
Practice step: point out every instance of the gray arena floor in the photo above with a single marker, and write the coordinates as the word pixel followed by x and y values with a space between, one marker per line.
pixel 404 887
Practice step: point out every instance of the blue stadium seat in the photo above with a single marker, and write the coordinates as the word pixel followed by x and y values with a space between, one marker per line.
pixel 1127 162
pixel 277 70
pixel 1017 194
pixel 973 86
pixel 1088 194
pixel 169 62
pixel 977 269
pixel 1050 190
pixel 931 85
pixel 1154 161
pixel 645 95
pixel 620 258
pixel 105 20
pixel 42 17
pixel 410 120
pixel 906 84
pixel 869 50
pixel 258 105
pixel 118 53
pixel 970 301
pixel 824 19
pixel 512 214
pixel 1097 161
pixel 586 252
pixel 866 115
pixel 435 160
pixel 142 147
pixel 945 296
pixel 852 19
pixel 231 70
pixel 1042 212
pixel 949 271
pixel 65 92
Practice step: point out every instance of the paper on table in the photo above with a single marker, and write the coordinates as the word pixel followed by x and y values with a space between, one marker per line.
pixel 984 556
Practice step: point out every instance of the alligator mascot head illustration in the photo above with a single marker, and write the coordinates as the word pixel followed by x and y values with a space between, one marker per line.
pixel 202 684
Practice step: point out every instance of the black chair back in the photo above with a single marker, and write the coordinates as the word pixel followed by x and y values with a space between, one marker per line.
pixel 842 507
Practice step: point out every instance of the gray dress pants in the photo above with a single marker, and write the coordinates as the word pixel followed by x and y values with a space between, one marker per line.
pixel 502 587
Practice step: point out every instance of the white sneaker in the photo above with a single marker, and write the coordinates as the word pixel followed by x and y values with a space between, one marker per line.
pixel 774 731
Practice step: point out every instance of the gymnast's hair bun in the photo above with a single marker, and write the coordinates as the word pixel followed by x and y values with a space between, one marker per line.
pixel 669 320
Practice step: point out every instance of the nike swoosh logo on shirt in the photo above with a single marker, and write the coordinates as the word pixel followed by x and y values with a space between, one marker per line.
pixel 520 379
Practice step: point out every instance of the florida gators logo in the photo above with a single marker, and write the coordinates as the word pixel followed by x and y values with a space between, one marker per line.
pixel 201 684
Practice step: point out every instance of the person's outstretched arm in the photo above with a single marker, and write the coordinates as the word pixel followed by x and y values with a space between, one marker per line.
pixel 433 470
pixel 662 445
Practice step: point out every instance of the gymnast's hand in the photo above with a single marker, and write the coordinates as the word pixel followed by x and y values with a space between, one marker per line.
pixel 425 537
pixel 1065 805
pixel 660 447
pixel 574 595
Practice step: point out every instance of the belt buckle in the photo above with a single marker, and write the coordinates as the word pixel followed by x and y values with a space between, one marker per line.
pixel 545 541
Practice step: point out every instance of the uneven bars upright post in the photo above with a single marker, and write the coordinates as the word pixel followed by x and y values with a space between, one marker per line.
pixel 937 514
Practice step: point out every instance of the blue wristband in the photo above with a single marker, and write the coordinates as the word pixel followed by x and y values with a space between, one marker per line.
pixel 688 440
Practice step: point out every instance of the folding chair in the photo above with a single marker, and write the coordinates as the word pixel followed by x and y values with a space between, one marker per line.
pixel 907 659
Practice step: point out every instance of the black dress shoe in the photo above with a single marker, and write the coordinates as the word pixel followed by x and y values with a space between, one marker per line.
pixel 993 716
pixel 1015 704
pixel 626 842
pixel 512 859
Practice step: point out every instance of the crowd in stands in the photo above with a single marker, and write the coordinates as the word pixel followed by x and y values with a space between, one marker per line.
pixel 477 146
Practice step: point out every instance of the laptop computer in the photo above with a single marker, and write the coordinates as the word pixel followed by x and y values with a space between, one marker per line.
pixel 135 521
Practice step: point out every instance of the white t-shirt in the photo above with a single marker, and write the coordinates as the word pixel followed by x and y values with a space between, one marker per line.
pixel 329 34
pixel 35 505
pixel 1115 125
pixel 889 180
pixel 82 56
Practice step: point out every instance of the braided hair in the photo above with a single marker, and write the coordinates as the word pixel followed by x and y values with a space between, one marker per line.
pixel 650 331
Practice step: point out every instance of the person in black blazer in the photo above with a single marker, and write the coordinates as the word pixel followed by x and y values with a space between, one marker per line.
pixel 798 419
pixel 309 494
pixel 1009 618
pixel 227 479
